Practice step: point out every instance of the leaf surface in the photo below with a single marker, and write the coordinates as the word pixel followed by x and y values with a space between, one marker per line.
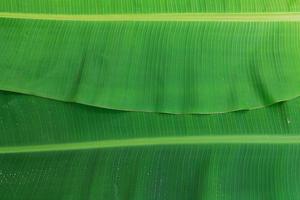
pixel 169 67
pixel 158 100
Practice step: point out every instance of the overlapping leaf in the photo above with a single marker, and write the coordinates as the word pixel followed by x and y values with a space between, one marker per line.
pixel 110 148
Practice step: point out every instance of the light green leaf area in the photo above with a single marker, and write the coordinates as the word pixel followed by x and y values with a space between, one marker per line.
pixel 169 67
pixel 147 6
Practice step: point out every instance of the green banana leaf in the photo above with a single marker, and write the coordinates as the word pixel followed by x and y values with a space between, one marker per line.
pixel 186 67
pixel 158 100
pixel 148 6
pixel 56 150
pixel 42 121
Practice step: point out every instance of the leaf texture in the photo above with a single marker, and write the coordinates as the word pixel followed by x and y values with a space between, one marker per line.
pixel 148 6
pixel 28 120
pixel 158 100
pixel 183 67
pixel 201 171
pixel 165 172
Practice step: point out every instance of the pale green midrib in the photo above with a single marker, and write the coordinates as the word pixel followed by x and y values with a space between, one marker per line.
pixel 158 141
pixel 242 17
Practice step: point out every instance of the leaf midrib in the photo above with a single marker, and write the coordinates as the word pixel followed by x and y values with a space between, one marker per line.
pixel 157 141
pixel 209 17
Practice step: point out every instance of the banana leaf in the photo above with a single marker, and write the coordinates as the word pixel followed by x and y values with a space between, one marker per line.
pixel 185 67
pixel 148 6
pixel 56 150
pixel 28 120
pixel 158 100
